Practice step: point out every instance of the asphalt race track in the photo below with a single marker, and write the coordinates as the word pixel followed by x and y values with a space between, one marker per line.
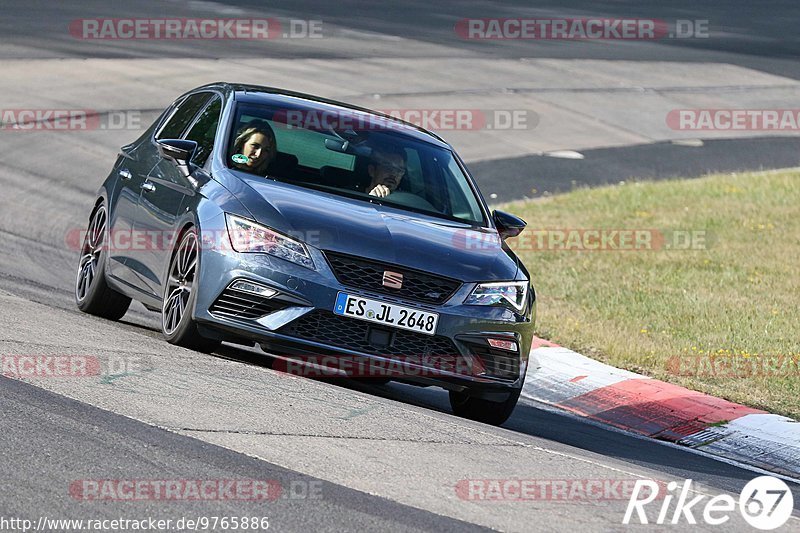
pixel 377 457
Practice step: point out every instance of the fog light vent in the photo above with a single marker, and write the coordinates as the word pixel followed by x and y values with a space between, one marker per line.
pixel 502 344
pixel 254 288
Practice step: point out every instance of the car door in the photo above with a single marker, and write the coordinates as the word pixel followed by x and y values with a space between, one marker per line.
pixel 167 193
pixel 133 166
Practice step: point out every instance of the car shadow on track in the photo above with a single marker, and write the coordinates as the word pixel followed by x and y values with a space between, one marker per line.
pixel 560 432
pixel 553 427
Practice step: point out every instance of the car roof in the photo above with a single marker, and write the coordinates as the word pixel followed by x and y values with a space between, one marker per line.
pixel 257 94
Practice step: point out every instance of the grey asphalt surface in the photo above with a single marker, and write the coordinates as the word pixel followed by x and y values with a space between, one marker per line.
pixel 70 441
pixel 750 35
pixel 395 441
pixel 757 35
pixel 644 162
pixel 389 456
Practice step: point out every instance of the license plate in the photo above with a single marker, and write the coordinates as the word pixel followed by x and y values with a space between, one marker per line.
pixel 396 316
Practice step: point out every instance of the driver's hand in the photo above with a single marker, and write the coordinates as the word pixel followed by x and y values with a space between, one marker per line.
pixel 381 191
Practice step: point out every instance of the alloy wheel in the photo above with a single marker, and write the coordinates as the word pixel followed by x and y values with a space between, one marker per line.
pixel 92 247
pixel 180 283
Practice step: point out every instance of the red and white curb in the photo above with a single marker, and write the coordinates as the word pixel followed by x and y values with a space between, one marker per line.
pixel 570 381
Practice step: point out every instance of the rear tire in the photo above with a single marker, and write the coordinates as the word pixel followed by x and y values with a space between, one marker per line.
pixel 92 293
pixel 482 410
pixel 180 294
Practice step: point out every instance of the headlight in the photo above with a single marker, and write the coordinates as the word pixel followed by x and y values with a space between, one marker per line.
pixel 247 236
pixel 512 294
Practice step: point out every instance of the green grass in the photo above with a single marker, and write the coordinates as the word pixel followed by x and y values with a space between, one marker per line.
pixel 736 298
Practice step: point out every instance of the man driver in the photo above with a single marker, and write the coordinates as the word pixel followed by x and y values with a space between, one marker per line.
pixel 387 166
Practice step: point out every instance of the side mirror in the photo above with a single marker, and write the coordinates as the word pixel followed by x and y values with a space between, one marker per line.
pixel 179 151
pixel 507 224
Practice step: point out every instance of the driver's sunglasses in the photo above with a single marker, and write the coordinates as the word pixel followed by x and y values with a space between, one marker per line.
pixel 397 169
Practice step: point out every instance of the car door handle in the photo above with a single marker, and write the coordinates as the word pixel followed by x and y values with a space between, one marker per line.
pixel 125 174
pixel 149 187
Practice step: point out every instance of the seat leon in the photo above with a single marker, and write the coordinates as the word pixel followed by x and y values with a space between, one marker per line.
pixel 339 239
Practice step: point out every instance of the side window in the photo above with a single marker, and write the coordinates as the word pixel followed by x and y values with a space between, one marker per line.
pixel 204 130
pixel 183 116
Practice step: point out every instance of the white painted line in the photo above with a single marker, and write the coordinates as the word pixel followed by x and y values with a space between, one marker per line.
pixel 565 154
pixel 693 143
pixel 368 35
pixel 769 427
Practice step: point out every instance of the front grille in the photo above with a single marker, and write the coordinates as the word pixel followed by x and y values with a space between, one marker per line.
pixel 368 275
pixel 325 327
pixel 239 304
pixel 498 363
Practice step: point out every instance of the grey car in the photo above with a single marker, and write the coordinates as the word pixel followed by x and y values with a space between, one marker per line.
pixel 338 239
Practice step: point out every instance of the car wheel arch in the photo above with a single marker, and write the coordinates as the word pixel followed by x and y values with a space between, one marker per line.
pixel 101 199
pixel 183 227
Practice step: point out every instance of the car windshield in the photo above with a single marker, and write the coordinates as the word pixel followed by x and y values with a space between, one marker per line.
pixel 351 154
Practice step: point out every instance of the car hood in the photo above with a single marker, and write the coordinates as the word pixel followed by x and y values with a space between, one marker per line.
pixel 346 225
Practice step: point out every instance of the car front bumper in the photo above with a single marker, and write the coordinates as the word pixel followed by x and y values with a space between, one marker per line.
pixel 305 295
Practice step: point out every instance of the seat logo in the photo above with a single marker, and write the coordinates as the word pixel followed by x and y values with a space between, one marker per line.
pixel 392 280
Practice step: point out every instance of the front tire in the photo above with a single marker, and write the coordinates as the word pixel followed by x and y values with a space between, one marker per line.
pixel 180 294
pixel 92 293
pixel 482 410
